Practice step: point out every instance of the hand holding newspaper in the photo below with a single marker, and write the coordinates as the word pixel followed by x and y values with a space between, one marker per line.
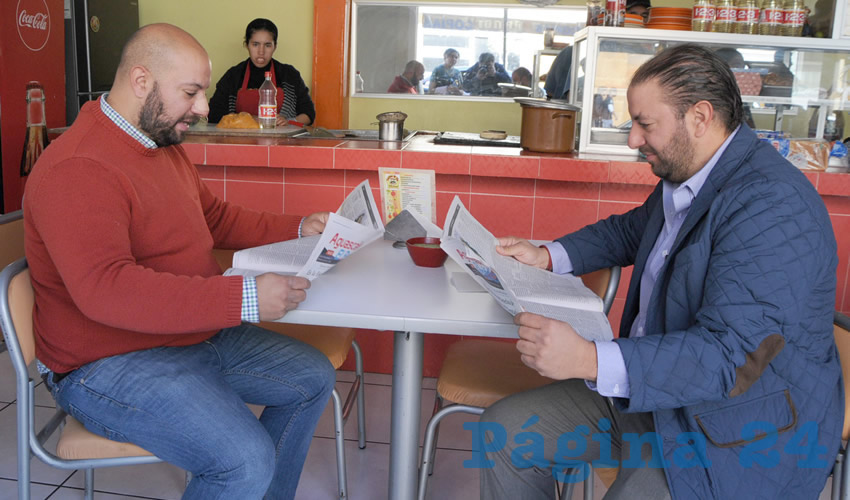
pixel 518 287
pixel 354 225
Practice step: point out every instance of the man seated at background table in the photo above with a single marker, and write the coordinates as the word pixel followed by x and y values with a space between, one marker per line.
pixel 725 375
pixel 142 337
pixel 484 77
pixel 408 81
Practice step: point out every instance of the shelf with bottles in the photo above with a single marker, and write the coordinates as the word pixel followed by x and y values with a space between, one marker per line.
pixel 780 76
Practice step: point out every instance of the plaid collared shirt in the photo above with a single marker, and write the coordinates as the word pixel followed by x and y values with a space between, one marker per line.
pixel 124 125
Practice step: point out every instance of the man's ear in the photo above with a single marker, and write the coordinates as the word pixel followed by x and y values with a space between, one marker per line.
pixel 141 81
pixel 702 116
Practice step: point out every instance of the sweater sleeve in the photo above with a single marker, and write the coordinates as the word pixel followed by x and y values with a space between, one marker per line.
pixel 86 233
pixel 225 92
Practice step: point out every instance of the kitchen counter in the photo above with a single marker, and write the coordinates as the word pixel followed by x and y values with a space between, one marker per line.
pixel 421 153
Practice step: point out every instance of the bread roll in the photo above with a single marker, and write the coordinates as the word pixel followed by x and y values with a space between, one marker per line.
pixel 238 120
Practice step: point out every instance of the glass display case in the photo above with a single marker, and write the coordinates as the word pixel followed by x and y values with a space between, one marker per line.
pixel 800 86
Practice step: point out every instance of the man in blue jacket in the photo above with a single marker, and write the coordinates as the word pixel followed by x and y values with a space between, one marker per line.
pixel 725 380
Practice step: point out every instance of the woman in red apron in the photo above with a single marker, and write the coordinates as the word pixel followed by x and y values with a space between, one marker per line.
pixel 237 90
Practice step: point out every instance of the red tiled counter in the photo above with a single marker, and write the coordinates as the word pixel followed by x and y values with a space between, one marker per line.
pixel 532 195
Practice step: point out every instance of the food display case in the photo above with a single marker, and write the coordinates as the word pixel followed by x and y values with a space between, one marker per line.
pixel 800 86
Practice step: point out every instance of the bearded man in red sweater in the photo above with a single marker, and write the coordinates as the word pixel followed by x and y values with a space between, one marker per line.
pixel 141 338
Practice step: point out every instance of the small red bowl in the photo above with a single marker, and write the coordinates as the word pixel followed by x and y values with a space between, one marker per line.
pixel 426 252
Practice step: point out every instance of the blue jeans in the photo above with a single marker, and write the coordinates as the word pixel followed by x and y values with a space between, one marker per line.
pixel 186 405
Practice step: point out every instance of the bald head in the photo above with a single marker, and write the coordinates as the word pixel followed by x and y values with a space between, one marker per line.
pixel 160 83
pixel 411 67
pixel 158 48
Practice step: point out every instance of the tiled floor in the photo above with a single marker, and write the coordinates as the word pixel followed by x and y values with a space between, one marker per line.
pixel 367 469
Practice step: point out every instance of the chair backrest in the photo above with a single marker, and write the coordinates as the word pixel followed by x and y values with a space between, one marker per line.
pixel 842 342
pixel 604 283
pixel 16 304
pixel 11 237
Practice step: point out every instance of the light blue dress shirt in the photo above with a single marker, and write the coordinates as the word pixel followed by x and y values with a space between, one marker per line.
pixel 612 378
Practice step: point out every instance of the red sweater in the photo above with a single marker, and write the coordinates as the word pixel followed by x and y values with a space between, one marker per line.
pixel 401 86
pixel 119 242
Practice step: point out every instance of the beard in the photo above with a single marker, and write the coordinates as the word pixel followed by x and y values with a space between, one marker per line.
pixel 157 125
pixel 674 163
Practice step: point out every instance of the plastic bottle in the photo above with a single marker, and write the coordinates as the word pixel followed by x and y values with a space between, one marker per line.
pixel 702 15
pixel 359 84
pixel 724 17
pixel 615 12
pixel 748 17
pixel 267 113
pixel 793 17
pixel 594 8
pixel 770 18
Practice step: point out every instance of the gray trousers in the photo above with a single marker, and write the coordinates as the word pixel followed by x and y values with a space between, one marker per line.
pixel 544 435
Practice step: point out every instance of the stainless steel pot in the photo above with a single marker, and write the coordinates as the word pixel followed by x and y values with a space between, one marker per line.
pixel 391 125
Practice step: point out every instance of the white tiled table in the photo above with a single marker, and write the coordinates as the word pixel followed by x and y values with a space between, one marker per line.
pixel 380 288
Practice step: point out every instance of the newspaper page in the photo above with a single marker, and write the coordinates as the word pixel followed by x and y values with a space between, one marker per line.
pixel 516 286
pixel 284 257
pixel 341 238
pixel 356 223
pixel 359 206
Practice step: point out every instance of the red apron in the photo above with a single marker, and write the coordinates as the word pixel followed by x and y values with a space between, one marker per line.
pixel 248 100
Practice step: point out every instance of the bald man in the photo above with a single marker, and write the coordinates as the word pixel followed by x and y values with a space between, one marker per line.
pixel 141 338
pixel 408 81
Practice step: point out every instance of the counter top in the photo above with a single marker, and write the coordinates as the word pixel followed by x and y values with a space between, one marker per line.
pixel 421 153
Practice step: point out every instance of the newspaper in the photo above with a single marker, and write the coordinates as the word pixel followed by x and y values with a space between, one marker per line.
pixel 518 287
pixel 354 225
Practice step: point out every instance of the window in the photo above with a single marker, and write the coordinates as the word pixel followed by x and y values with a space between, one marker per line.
pixel 389 35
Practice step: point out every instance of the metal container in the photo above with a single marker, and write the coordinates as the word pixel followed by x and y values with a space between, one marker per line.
pixel 547 126
pixel 391 125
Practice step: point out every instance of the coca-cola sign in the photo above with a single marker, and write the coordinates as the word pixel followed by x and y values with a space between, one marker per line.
pixel 33 21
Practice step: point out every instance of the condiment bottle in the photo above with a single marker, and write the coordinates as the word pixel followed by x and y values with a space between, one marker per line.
pixel 615 12
pixel 748 17
pixel 793 17
pixel 770 18
pixel 703 15
pixel 359 84
pixel 267 113
pixel 594 8
pixel 725 15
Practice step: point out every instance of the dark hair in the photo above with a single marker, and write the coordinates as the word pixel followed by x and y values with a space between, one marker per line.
pixel 450 51
pixel 688 74
pixel 260 24
pixel 522 72
pixel 485 56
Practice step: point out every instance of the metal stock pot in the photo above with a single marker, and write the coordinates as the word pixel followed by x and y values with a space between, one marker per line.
pixel 548 126
pixel 391 125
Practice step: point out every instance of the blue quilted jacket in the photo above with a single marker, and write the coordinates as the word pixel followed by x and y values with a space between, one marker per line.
pixel 740 353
